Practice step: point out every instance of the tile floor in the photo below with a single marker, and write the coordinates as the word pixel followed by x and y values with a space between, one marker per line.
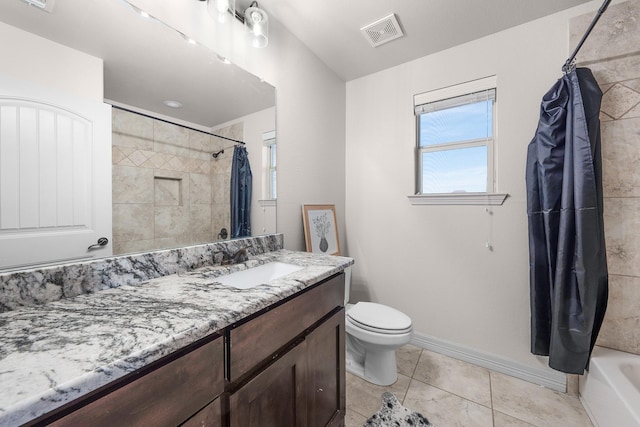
pixel 452 393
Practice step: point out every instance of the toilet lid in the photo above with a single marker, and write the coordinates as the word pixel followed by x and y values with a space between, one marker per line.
pixel 379 318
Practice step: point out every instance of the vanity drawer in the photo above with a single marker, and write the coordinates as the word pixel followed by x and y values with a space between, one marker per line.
pixel 259 338
pixel 166 396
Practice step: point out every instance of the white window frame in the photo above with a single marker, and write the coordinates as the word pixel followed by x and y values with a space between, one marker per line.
pixel 270 148
pixel 461 91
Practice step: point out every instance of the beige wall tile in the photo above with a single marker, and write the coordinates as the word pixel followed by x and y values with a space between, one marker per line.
pixel 633 113
pixel 124 140
pixel 171 139
pixel 200 145
pixel 619 100
pixel 172 221
pixel 167 191
pixel 126 123
pixel 621 224
pixel 616 70
pixel 620 158
pixel 120 247
pixel 618 29
pixel 200 224
pixel 200 189
pixel 132 221
pixel 132 184
pixel 195 217
pixel 621 327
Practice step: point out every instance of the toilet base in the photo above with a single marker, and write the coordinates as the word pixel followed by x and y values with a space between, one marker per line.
pixel 378 367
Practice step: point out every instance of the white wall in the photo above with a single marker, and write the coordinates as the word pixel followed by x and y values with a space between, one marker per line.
pixel 431 261
pixel 263 218
pixel 26 56
pixel 310 109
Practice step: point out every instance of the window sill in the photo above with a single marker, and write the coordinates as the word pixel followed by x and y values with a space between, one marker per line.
pixel 487 199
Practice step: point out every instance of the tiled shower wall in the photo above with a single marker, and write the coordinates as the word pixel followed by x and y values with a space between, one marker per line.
pixel 168 191
pixel 613 53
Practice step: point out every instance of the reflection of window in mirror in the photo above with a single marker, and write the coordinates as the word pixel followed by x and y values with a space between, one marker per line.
pixel 269 143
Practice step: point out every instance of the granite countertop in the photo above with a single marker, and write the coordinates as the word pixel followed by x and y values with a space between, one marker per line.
pixel 53 354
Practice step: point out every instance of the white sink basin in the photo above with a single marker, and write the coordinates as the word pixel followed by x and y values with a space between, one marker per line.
pixel 259 275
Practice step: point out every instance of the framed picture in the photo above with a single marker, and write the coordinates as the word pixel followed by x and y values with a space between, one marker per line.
pixel 320 229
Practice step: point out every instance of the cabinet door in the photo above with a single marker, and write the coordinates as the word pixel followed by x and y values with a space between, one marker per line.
pixel 276 397
pixel 209 416
pixel 326 373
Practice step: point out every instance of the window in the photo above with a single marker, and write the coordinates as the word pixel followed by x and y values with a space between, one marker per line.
pixel 272 169
pixel 455 142
pixel 269 167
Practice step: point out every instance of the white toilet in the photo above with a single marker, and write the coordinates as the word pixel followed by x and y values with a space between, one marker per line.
pixel 374 332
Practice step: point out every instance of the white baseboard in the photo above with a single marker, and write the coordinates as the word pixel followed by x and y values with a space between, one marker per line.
pixel 547 378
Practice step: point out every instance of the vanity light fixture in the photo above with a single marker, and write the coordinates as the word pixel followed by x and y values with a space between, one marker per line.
pixel 257 22
pixel 222 10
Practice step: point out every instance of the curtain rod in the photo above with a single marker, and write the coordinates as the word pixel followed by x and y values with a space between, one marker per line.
pixel 177 124
pixel 569 64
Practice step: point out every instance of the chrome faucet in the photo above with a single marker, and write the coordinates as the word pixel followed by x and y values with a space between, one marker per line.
pixel 241 255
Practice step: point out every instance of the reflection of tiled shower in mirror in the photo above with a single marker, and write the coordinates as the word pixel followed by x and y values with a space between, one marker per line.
pixel 167 189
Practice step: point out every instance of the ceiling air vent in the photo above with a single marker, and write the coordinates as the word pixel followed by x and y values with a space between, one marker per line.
pixel 46 5
pixel 383 30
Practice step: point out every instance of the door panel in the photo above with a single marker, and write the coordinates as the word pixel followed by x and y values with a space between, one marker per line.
pixel 55 175
pixel 276 397
pixel 326 373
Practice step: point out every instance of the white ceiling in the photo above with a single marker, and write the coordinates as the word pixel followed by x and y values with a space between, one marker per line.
pixel 331 28
pixel 146 62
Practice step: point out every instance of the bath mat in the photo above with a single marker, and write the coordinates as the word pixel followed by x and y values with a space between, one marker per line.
pixel 393 414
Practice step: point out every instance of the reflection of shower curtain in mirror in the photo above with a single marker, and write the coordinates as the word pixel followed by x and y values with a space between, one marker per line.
pixel 240 193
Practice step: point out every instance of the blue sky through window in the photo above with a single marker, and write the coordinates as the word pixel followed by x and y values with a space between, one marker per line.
pixel 461 123
pixel 455 171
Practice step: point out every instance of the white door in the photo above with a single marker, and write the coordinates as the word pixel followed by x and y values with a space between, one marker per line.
pixel 55 175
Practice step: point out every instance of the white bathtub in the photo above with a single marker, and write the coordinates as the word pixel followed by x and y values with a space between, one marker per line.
pixel 610 391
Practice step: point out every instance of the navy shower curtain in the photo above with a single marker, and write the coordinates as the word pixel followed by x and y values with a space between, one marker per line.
pixel 240 193
pixel 567 259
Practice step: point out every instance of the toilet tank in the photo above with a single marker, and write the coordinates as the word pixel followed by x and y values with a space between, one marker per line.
pixel 347 284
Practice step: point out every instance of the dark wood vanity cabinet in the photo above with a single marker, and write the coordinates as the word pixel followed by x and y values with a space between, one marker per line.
pixel 167 393
pixel 299 381
pixel 283 366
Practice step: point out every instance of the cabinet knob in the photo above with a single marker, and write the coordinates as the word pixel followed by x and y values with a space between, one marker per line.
pixel 320 390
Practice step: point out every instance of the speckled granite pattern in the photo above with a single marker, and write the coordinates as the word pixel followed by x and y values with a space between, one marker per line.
pixel 394 414
pixel 42 285
pixel 54 353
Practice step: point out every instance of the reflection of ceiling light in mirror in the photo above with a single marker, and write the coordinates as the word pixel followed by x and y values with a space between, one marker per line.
pixel 257 22
pixel 187 38
pixel 223 60
pixel 172 104
pixel 222 10
pixel 46 5
pixel 139 11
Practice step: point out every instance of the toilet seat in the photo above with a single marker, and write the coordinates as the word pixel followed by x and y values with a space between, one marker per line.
pixel 379 318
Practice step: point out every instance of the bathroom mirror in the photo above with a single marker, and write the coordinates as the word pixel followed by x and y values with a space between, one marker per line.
pixel 178 194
